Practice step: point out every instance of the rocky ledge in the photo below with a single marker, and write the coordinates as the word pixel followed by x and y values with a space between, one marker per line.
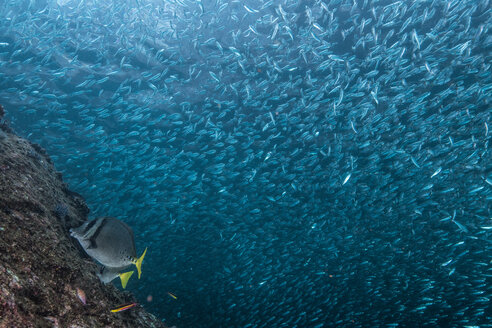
pixel 45 279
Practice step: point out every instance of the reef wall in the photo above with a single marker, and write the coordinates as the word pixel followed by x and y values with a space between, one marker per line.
pixel 44 277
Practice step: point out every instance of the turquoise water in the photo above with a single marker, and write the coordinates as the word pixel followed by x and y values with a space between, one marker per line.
pixel 288 164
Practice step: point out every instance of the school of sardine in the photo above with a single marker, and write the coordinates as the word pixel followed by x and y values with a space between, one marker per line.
pixel 288 163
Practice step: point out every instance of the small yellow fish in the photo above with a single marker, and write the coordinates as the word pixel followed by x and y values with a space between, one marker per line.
pixel 172 295
pixel 123 307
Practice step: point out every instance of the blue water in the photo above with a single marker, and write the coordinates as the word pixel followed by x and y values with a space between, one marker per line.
pixel 288 164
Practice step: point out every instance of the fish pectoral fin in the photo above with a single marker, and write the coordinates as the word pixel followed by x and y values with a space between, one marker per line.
pixel 125 277
pixel 138 263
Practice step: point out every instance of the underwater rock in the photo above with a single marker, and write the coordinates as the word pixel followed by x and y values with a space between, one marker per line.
pixel 44 279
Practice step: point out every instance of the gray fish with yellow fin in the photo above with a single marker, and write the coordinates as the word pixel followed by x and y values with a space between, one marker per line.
pixel 106 275
pixel 110 242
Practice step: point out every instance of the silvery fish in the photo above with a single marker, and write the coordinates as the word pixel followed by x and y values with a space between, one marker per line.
pixel 110 242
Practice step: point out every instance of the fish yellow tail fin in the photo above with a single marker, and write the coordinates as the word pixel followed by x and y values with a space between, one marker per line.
pixel 125 277
pixel 138 263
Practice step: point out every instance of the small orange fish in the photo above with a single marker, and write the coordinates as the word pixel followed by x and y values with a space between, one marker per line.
pixel 123 307
pixel 81 296
pixel 172 295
